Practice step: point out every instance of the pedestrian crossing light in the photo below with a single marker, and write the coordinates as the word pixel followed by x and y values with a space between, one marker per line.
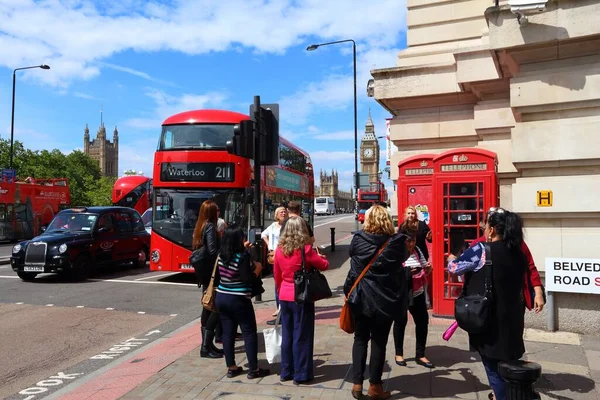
pixel 242 142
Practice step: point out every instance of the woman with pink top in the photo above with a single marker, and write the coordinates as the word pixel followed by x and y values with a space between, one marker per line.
pixel 297 320
pixel 419 269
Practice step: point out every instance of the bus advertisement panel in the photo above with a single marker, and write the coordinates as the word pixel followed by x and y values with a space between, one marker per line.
pixel 192 165
pixel 27 207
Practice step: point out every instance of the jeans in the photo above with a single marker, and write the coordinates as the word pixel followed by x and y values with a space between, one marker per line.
pixel 497 383
pixel 419 313
pixel 297 341
pixel 277 298
pixel 376 330
pixel 238 311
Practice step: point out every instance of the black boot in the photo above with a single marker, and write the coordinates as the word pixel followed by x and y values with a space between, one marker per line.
pixel 206 350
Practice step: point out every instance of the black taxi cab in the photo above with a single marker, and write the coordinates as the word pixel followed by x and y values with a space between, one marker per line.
pixel 80 238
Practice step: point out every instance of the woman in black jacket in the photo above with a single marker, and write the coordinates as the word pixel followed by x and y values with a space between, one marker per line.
pixel 502 338
pixel 379 297
pixel 206 237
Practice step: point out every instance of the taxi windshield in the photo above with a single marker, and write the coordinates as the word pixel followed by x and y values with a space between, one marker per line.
pixel 72 222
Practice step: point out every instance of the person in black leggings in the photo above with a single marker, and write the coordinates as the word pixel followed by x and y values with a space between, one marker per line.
pixel 205 236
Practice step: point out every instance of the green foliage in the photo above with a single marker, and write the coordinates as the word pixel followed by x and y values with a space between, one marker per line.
pixel 88 187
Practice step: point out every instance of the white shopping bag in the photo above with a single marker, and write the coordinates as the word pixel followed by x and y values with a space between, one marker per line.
pixel 273 342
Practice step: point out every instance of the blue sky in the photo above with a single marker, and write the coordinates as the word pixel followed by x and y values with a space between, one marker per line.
pixel 145 60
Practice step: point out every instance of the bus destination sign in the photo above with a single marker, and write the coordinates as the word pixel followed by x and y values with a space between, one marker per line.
pixel 372 196
pixel 197 172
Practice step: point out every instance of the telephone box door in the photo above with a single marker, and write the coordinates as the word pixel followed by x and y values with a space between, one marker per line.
pixel 463 205
pixel 465 186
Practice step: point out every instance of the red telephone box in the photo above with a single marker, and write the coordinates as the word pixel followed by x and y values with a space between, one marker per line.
pixel 415 177
pixel 465 186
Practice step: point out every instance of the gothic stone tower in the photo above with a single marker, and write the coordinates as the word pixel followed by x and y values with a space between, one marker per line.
pixel 102 150
pixel 369 152
pixel 329 184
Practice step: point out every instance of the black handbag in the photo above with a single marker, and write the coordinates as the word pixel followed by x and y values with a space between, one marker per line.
pixel 473 310
pixel 310 286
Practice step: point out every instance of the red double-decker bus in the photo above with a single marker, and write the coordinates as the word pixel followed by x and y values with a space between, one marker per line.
pixel 27 206
pixel 192 165
pixel 134 191
pixel 375 194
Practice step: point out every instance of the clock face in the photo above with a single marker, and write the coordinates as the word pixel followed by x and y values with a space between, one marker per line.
pixel 368 152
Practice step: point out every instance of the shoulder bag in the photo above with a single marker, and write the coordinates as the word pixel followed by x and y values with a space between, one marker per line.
pixel 472 310
pixel 346 322
pixel 310 286
pixel 208 299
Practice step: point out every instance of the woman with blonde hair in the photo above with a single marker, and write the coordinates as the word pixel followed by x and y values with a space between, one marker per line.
pixel 378 298
pixel 297 320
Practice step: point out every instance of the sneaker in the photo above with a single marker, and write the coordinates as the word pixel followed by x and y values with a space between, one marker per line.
pixel 259 373
pixel 271 322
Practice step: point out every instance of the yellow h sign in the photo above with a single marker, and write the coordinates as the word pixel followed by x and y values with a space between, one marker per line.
pixel 544 198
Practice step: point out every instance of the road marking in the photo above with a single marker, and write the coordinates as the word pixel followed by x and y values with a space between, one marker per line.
pixel 20 302
pixel 324 246
pixel 42 386
pixel 152 332
pixel 144 282
pixel 110 308
pixel 9 277
pixel 173 315
pixel 80 306
pixel 335 220
pixel 156 276
pixel 119 349
pixel 141 312
pixel 49 305
pixel 5 266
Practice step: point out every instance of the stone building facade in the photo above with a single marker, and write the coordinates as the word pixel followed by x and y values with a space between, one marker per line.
pixel 475 74
pixel 103 151
pixel 328 186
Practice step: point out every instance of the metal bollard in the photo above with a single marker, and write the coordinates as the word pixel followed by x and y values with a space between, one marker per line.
pixel 332 239
pixel 520 377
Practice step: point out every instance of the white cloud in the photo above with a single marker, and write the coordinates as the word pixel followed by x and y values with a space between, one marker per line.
pixel 135 72
pixel 85 96
pixel 166 104
pixel 72 36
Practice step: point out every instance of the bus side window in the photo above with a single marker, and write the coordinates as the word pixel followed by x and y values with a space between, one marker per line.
pixel 9 213
pixel 2 212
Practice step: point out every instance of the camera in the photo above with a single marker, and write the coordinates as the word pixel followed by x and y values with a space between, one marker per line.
pixel 526 7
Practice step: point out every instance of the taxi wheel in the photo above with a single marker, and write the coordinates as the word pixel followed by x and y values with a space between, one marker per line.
pixel 27 276
pixel 140 261
pixel 81 268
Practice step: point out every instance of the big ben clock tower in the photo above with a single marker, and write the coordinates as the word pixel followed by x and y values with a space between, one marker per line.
pixel 369 152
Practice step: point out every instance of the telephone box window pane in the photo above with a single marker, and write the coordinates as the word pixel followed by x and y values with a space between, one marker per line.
pixel 445 189
pixel 463 204
pixel 463 189
pixel 481 188
pixel 446 203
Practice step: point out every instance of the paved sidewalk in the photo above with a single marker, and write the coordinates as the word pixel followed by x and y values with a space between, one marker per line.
pixel 174 370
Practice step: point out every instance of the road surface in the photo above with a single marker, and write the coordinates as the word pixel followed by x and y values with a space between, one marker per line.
pixel 54 331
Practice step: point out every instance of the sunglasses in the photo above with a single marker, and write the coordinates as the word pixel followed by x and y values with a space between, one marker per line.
pixel 491 211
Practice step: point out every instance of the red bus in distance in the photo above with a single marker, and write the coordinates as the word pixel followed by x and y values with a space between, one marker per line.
pixel 133 191
pixel 28 206
pixel 375 194
pixel 192 165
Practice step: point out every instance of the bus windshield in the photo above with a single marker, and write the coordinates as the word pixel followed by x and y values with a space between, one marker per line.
pixel 200 136
pixel 176 211
pixel 321 200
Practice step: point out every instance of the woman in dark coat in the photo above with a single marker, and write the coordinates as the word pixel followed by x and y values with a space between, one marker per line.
pixel 380 296
pixel 205 236
pixel 502 340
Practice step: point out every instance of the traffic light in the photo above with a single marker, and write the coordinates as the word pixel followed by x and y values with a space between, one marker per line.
pixel 269 139
pixel 242 143
pixel 269 144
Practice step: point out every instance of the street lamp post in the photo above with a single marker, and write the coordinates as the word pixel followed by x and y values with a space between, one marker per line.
pixel 356 180
pixel 12 120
